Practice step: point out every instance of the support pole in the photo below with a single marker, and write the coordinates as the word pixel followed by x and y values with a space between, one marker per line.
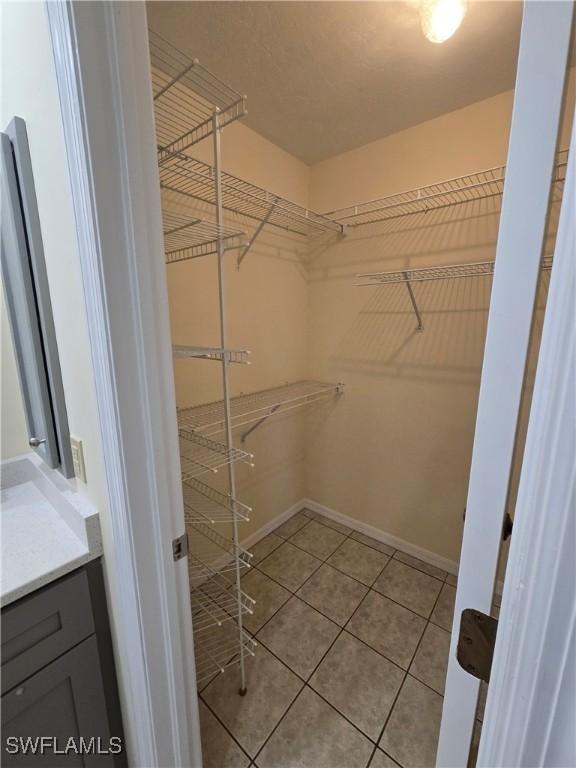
pixel 226 393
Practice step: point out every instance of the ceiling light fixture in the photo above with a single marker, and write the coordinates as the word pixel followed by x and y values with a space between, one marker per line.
pixel 441 18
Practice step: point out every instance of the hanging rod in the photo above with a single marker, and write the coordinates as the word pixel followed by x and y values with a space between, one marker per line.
pixel 212 353
pixel 462 189
pixel 256 406
pixel 186 96
pixel 444 272
pixel 187 237
pixel 195 179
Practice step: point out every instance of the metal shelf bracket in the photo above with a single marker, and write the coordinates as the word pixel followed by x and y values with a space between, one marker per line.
pixel 259 422
pixel 419 327
pixel 244 252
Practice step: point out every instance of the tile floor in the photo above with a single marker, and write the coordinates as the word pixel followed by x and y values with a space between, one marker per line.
pixel 349 672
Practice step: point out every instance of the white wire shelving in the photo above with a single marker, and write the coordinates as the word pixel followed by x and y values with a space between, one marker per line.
pixel 186 98
pixel 210 549
pixel 205 505
pixel 186 237
pixel 200 454
pixel 218 648
pixel 195 179
pixel 424 274
pixel 239 356
pixel 209 419
pixel 462 189
pixel 445 272
pixel 215 598
pixel 192 104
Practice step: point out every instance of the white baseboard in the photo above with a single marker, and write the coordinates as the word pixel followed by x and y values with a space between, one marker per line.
pixel 450 566
pixel 393 541
pixel 249 541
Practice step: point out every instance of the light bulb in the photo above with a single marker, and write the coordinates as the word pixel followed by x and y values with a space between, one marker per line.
pixel 441 18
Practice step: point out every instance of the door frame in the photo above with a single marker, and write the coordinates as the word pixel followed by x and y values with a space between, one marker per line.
pixel 103 73
pixel 538 98
pixel 102 68
pixel 532 684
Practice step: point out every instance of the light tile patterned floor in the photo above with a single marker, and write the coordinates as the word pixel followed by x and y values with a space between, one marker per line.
pixel 353 645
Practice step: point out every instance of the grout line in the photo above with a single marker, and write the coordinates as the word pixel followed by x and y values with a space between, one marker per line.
pixel 305 681
pixel 228 731
pixel 273 731
pixel 401 686
pixel 415 567
pixel 322 562
pixel 406 676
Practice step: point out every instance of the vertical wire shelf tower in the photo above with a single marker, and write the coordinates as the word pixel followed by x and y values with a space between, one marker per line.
pixel 192 104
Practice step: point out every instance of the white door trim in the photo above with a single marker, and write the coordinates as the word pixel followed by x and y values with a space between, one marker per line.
pixel 103 73
pixel 533 681
pixel 542 64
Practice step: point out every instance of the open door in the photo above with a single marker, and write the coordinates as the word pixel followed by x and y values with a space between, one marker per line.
pixel 542 65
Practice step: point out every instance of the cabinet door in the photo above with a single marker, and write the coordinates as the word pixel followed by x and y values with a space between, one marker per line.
pixel 65 699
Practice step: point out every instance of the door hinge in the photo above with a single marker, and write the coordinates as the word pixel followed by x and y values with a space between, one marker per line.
pixel 476 643
pixel 180 547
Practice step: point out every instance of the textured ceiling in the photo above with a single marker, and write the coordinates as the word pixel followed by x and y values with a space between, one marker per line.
pixel 325 77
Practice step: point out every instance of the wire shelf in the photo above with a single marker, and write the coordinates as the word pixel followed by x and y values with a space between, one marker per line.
pixel 247 409
pixel 451 271
pixel 463 189
pixel 215 599
pixel 189 238
pixel 212 353
pixel 219 648
pixel 186 97
pixel 210 549
pixel 199 454
pixel 195 179
pixel 204 504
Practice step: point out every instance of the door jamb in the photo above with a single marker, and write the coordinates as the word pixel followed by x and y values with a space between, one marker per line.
pixel 532 681
pixel 103 74
pixel 540 82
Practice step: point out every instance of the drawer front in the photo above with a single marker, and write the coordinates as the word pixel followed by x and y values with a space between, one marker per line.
pixel 63 701
pixel 44 625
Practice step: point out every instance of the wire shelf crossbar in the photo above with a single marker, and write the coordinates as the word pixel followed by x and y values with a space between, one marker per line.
pixel 190 238
pixel 218 648
pixel 210 548
pixel 247 409
pixel 204 504
pixel 239 356
pixel 445 272
pixel 186 96
pixel 462 189
pixel 199 454
pixel 215 599
pixel 195 179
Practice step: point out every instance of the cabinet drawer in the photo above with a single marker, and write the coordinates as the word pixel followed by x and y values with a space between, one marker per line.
pixel 44 625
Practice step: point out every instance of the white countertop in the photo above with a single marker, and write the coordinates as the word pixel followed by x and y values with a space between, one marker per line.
pixel 48 529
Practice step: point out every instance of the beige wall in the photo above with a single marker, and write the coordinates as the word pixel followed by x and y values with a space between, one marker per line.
pixel 13 432
pixel 29 90
pixel 395 452
pixel 266 305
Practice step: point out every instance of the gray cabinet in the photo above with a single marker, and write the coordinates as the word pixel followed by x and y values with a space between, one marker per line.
pixel 58 679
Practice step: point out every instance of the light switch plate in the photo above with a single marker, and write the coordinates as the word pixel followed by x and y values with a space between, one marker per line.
pixel 78 458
